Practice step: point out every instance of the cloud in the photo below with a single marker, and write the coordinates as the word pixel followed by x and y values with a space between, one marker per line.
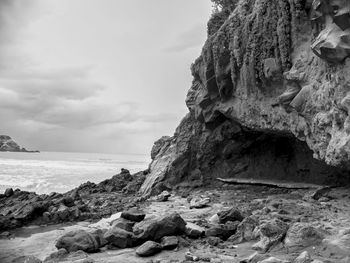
pixel 14 14
pixel 188 39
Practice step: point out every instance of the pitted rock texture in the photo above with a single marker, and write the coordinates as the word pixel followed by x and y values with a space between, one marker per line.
pixel 258 69
pixel 262 103
pixel 333 42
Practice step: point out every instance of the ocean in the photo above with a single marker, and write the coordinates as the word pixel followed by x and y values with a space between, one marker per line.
pixel 48 172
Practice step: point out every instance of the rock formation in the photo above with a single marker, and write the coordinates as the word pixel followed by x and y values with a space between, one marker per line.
pixel 9 145
pixel 270 98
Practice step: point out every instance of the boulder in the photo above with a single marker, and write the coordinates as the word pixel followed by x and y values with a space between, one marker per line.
pixel 194 231
pixel 169 242
pixel 119 237
pixel 8 192
pixel 122 223
pixel 271 234
pixel 304 257
pixel 149 248
pixel 223 231
pixel 301 235
pixel 156 228
pixel 199 202
pixel 133 214
pixel 246 231
pixel 79 240
pixel 232 215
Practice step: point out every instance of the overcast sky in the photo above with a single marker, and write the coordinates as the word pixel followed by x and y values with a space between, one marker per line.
pixel 96 75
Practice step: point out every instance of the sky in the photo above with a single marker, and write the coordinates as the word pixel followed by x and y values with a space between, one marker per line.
pixel 105 76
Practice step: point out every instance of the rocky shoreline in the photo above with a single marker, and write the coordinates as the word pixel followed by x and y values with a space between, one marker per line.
pixel 88 201
pixel 238 223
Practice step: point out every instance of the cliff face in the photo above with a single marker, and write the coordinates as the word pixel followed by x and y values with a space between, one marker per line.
pixel 9 145
pixel 270 97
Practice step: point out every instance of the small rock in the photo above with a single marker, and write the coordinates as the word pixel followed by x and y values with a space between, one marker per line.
pixel 214 220
pixel 199 202
pixel 169 242
pixel 5 234
pixel 214 241
pixel 320 192
pixel 149 248
pixel 304 257
pixel 194 231
pixel 324 199
pixel 8 192
pixel 134 214
pixel 163 197
pixel 232 215
pixel 191 257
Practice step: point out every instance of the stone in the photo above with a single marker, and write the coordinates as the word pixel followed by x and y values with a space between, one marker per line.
pixel 119 237
pixel 199 202
pixel 26 259
pixel 156 228
pixel 214 241
pixel 194 231
pixel 169 242
pixel 301 235
pixel 8 192
pixel 320 192
pixel 55 256
pixel 163 197
pixel 304 257
pixel 5 234
pixel 223 231
pixel 122 223
pixel 133 214
pixel 232 215
pixel 246 231
pixel 271 234
pixel 149 248
pixel 79 240
pixel 191 257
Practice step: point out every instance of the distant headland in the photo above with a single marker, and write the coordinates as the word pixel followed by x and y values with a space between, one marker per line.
pixel 7 144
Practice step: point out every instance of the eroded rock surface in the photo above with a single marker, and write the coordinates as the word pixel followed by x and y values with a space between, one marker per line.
pixel 271 85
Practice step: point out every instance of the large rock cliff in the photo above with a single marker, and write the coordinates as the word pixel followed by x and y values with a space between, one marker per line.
pixel 270 98
pixel 7 144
